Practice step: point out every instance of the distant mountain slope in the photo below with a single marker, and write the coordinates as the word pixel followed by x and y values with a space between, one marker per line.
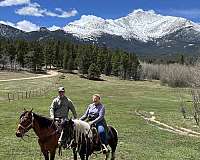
pixel 142 32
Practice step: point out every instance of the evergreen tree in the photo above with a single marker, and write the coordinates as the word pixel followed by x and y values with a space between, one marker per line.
pixel 22 50
pixel 88 59
pixel 70 63
pixel 65 59
pixel 116 62
pixel 108 65
pixel 11 50
pixel 94 72
pixel 35 57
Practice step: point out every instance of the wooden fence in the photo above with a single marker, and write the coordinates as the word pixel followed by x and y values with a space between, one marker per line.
pixel 19 95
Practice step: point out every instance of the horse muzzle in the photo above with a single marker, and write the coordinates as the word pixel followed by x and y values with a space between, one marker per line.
pixel 18 134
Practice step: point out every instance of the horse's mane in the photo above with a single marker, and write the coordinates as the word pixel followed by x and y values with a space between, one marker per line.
pixel 43 122
pixel 82 129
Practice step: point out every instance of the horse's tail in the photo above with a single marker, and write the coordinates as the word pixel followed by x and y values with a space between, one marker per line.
pixel 114 138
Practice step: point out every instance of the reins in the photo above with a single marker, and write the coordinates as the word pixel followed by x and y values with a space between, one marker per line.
pixel 31 126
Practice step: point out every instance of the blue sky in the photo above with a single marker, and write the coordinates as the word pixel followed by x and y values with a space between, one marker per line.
pixel 31 14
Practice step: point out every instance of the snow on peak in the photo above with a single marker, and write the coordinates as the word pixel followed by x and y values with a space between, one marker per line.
pixel 141 11
pixel 140 24
pixel 87 26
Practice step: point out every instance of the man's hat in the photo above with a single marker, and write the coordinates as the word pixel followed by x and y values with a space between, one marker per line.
pixel 61 89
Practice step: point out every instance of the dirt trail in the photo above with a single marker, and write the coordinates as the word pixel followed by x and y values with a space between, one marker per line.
pixel 50 73
pixel 177 130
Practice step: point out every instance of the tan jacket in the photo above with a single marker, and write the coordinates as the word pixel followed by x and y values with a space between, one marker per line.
pixel 60 108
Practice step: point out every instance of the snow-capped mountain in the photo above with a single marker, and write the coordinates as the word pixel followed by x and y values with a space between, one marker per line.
pixel 142 32
pixel 142 25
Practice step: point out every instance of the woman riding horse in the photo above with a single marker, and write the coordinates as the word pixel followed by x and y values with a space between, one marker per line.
pixel 83 139
pixel 95 116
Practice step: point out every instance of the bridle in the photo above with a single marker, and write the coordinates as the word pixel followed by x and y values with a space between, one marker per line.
pixel 27 127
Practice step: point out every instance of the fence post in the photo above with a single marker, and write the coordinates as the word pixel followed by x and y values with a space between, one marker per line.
pixel 26 94
pixel 9 97
pixel 18 95
pixel 29 93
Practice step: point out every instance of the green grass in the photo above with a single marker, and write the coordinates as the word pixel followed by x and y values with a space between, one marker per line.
pixel 137 139
pixel 25 85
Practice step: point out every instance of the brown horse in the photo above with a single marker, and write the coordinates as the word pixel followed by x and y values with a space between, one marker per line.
pixel 44 128
pixel 81 138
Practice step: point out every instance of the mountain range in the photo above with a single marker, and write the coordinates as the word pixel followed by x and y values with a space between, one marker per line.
pixel 141 32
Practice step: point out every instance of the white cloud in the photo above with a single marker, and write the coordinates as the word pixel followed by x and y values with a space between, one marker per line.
pixel 51 14
pixel 53 28
pixel 27 26
pixel 6 3
pixel 34 9
pixel 66 14
pixel 24 25
pixel 62 14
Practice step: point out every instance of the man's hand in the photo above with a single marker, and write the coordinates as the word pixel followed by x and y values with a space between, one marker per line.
pixel 90 123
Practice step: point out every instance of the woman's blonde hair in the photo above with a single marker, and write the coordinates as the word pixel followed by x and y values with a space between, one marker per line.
pixel 97 95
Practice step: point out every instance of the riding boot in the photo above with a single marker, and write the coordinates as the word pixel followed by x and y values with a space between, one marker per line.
pixel 104 148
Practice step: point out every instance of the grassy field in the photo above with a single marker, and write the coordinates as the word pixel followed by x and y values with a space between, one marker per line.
pixel 23 85
pixel 137 139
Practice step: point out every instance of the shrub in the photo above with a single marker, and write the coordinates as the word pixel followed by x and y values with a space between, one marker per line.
pixel 175 75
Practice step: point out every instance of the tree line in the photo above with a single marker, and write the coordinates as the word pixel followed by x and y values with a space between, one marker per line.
pixel 88 59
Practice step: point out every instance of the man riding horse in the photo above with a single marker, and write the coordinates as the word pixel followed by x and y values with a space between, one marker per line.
pixel 60 107
pixel 95 116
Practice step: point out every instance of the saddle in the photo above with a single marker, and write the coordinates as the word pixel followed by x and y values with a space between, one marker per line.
pixel 95 139
pixel 58 122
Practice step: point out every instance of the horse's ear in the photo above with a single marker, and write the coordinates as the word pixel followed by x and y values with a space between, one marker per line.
pixel 24 109
pixel 31 110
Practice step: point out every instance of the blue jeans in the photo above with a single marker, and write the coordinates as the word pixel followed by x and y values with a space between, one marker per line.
pixel 102 132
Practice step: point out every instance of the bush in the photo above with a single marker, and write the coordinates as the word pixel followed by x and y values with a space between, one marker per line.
pixel 150 71
pixel 175 75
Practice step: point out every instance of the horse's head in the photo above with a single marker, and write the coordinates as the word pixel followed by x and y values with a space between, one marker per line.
pixel 67 134
pixel 25 123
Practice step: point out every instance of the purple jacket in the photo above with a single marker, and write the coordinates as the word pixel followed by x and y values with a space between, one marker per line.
pixel 94 113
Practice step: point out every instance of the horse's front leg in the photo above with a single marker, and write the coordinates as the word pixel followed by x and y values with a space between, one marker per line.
pixel 75 153
pixel 46 154
pixel 52 154
pixel 107 155
pixel 87 157
pixel 44 151
pixel 82 156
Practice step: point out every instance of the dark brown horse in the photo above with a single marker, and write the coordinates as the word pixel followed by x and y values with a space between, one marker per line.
pixel 81 138
pixel 45 130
